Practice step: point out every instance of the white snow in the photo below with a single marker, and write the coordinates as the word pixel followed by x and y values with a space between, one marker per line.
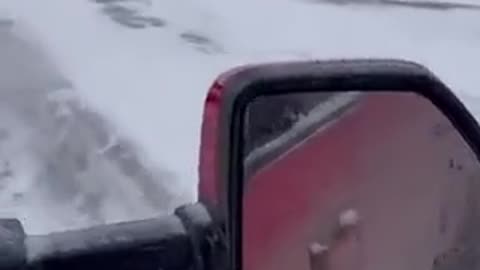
pixel 317 248
pixel 151 83
pixel 349 217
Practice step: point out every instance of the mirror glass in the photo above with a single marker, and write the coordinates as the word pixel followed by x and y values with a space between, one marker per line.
pixel 357 180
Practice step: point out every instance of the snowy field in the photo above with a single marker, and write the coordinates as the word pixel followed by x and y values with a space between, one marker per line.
pixel 146 66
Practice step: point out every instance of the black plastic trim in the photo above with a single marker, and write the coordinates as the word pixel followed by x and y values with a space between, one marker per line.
pixel 13 253
pixel 146 244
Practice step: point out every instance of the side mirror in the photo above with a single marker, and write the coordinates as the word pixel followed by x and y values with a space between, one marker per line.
pixel 363 164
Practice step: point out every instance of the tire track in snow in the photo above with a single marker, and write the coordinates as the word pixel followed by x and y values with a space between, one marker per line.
pixel 75 158
pixel 130 14
pixel 420 4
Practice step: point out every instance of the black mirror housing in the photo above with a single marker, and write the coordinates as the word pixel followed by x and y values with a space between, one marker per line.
pixel 330 77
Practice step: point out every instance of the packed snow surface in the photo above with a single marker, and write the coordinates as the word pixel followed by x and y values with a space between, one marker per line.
pixel 143 68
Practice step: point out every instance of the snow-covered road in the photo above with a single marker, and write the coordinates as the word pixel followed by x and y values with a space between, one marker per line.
pixel 146 65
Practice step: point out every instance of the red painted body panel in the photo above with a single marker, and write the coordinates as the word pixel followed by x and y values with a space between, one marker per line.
pixel 210 188
pixel 209 192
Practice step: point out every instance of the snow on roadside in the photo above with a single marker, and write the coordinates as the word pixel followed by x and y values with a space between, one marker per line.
pixel 150 82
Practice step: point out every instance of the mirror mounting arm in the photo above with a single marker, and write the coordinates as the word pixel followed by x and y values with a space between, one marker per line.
pixel 173 242
pixel 206 235
pixel 12 244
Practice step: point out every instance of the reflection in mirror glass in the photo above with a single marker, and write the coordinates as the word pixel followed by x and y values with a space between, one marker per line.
pixel 345 181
